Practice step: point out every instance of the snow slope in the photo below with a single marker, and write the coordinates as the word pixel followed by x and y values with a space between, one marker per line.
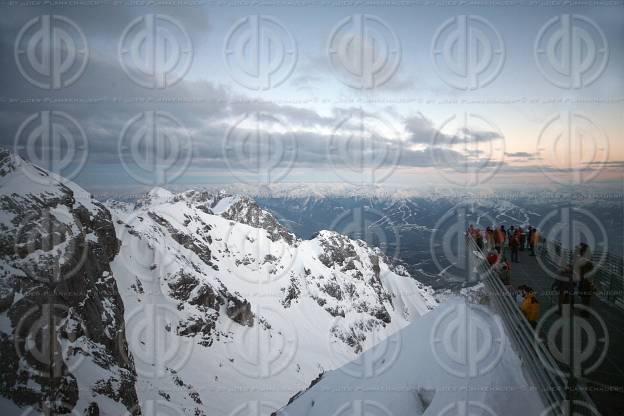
pixel 227 311
pixel 426 369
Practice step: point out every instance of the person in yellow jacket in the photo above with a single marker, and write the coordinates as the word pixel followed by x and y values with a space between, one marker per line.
pixel 530 307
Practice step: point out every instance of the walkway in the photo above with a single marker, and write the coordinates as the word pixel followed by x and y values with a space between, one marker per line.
pixel 606 383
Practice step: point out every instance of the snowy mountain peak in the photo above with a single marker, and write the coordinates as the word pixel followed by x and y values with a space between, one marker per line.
pixel 228 270
pixel 237 208
pixel 159 194
pixel 18 176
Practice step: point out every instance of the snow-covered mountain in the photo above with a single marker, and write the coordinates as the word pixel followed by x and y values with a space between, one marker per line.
pixel 189 303
pixel 223 303
pixel 62 330
pixel 201 303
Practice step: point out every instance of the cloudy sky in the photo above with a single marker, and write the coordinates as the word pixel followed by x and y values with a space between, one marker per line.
pixel 118 96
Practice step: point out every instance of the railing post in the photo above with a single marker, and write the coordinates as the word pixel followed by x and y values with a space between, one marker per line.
pixel 610 287
pixel 572 382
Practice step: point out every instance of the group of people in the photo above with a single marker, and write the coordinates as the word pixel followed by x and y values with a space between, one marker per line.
pixel 573 279
pixel 502 240
pixel 502 246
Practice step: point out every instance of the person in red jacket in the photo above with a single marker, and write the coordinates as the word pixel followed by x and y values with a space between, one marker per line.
pixel 492 257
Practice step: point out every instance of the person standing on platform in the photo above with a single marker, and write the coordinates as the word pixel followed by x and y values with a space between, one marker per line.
pixel 530 307
pixel 514 246
pixel 522 238
pixel 580 275
pixel 489 237
pixel 535 241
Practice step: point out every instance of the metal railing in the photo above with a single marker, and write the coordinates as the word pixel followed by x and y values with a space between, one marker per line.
pixel 608 273
pixel 551 385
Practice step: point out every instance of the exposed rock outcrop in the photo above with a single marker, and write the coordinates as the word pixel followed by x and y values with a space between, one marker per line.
pixel 65 340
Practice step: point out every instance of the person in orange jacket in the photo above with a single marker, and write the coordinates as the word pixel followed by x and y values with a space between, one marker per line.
pixel 535 240
pixel 530 307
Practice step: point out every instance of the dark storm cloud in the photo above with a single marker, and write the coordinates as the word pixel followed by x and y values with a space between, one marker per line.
pixel 422 131
pixel 206 112
pixel 608 164
pixel 212 123
pixel 520 157
pixel 104 100
pixel 520 154
pixel 103 21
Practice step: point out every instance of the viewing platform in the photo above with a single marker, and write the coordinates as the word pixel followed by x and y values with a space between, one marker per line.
pixel 574 360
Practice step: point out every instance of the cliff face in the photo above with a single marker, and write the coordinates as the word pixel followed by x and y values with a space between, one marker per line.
pixel 62 331
pixel 241 303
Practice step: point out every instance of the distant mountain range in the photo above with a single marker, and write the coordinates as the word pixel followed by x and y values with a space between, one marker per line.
pixel 415 231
